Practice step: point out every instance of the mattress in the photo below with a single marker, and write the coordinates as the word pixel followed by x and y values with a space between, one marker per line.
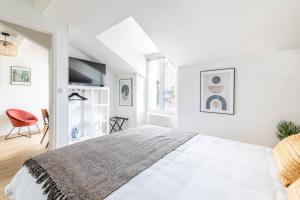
pixel 204 168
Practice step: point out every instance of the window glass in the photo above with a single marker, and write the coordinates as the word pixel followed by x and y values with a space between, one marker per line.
pixel 170 87
pixel 162 80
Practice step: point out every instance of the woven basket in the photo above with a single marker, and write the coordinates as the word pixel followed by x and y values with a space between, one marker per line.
pixel 287 156
pixel 294 191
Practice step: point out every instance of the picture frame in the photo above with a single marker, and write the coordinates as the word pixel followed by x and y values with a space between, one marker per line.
pixel 217 91
pixel 125 92
pixel 20 76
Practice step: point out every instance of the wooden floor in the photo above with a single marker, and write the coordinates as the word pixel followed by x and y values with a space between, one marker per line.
pixel 13 153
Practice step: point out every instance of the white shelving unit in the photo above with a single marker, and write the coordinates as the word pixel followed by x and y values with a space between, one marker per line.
pixel 90 117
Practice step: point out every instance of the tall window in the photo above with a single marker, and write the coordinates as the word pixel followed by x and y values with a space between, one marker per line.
pixel 162 81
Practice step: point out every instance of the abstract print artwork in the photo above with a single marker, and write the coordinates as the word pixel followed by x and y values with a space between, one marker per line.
pixel 20 76
pixel 217 91
pixel 125 92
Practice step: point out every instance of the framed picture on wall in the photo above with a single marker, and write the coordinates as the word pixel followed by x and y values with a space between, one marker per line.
pixel 20 76
pixel 217 91
pixel 125 92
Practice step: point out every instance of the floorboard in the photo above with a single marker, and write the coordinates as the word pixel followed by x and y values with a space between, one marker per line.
pixel 14 152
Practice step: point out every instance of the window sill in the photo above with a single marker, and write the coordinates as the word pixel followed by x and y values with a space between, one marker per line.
pixel 162 114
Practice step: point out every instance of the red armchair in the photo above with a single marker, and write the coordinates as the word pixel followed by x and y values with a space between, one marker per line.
pixel 19 119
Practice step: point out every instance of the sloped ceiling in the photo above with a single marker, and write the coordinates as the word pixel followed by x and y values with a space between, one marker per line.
pixel 128 40
pixel 94 49
pixel 193 31
pixel 41 4
pixel 19 33
pixel 14 36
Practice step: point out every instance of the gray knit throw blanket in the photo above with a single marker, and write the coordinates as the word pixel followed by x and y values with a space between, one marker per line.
pixel 93 169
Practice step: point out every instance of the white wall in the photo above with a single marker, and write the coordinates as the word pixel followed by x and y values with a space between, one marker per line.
pixel 267 91
pixel 30 98
pixel 127 111
pixel 110 78
pixel 169 121
pixel 141 100
pixel 137 112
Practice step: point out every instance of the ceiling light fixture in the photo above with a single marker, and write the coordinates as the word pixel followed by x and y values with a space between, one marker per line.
pixel 7 48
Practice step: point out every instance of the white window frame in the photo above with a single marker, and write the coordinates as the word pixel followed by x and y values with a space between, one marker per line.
pixel 162 73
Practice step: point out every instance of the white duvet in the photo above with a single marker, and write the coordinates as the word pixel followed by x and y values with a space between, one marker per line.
pixel 204 168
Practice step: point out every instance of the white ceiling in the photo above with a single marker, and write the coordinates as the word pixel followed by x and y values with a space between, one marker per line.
pixel 40 4
pixel 19 33
pixel 193 31
pixel 14 36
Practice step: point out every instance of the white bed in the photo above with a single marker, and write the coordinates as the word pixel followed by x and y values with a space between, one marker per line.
pixel 204 168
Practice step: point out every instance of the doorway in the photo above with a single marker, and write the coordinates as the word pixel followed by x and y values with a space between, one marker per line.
pixel 25 92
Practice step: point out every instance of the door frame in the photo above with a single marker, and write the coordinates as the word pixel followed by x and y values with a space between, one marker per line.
pixel 53 82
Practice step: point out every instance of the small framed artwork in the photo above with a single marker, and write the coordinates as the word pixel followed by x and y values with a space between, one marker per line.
pixel 20 76
pixel 217 91
pixel 125 92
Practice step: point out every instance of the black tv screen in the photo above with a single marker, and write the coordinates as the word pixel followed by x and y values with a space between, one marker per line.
pixel 85 72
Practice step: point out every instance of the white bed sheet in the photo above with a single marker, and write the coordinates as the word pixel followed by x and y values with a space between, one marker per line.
pixel 204 168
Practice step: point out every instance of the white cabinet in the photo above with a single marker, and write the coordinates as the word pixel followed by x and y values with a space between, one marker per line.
pixel 90 117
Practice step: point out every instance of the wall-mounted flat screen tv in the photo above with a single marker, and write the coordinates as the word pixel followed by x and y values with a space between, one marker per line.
pixel 83 72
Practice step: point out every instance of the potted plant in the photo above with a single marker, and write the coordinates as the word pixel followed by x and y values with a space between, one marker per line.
pixel 286 128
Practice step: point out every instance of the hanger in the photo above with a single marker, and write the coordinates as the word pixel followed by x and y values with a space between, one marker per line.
pixel 75 94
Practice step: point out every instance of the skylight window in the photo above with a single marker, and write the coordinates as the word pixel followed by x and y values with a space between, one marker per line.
pixel 128 40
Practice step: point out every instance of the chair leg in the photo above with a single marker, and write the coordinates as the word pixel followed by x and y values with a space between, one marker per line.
pixel 38 128
pixel 29 132
pixel 44 135
pixel 47 145
pixel 28 135
pixel 6 137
